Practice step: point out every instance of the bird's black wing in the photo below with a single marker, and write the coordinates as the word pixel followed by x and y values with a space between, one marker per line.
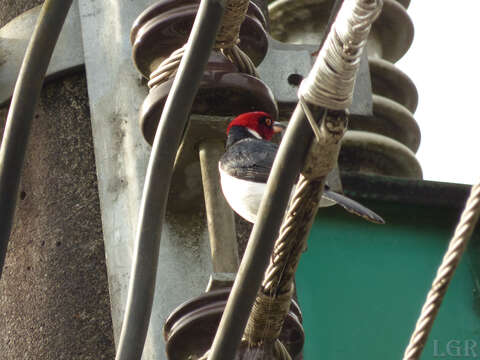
pixel 249 159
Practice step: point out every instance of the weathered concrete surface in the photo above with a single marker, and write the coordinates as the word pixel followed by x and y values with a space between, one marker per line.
pixel 53 294
pixel 13 8
pixel 67 58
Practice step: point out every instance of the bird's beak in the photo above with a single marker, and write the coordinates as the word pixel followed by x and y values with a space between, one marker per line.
pixel 278 127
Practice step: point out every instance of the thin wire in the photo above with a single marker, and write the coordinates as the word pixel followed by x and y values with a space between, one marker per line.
pixel 159 173
pixel 22 109
pixel 308 114
pixel 445 273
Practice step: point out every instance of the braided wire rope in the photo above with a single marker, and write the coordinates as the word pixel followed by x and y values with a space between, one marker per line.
pixel 330 84
pixel 264 326
pixel 292 239
pixel 232 20
pixel 273 301
pixel 280 351
pixel 167 68
pixel 241 60
pixel 444 275
pixel 226 42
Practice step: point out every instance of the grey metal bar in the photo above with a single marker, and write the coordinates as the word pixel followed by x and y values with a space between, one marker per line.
pixel 159 172
pixel 115 94
pixel 221 223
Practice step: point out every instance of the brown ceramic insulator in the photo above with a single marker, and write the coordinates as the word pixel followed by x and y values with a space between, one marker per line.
pixel 389 119
pixel 165 26
pixel 223 92
pixel 392 83
pixel 305 21
pixel 369 153
pixel 263 6
pixel 405 3
pixel 190 329
pixel 385 142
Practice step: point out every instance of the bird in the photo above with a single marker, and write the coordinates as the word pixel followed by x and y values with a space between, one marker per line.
pixel 248 159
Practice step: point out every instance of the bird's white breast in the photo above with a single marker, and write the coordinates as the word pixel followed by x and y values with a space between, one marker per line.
pixel 243 196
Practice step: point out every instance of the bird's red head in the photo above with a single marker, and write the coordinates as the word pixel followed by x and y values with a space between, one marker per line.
pixel 258 121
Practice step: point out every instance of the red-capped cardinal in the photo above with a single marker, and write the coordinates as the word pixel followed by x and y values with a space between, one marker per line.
pixel 246 164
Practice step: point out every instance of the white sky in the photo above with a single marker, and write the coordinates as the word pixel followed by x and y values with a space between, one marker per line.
pixel 444 64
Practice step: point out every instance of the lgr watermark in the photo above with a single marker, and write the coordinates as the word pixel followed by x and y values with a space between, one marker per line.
pixel 456 349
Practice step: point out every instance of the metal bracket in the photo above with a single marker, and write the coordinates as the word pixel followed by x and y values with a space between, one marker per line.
pixel 220 281
pixel 282 69
pixel 285 65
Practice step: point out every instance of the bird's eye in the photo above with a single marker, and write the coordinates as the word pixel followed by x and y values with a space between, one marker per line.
pixel 268 122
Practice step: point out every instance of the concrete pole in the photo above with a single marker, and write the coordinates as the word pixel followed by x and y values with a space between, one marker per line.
pixel 54 297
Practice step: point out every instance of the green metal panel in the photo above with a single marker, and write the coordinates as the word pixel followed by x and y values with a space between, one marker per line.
pixel 361 286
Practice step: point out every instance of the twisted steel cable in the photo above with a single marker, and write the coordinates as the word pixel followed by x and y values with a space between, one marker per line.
pixel 241 60
pixel 330 85
pixel 235 12
pixel 292 239
pixel 167 68
pixel 273 301
pixel 444 275
pixel 280 352
pixel 226 42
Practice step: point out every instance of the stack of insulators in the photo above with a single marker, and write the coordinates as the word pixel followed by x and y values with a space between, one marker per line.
pixel 385 143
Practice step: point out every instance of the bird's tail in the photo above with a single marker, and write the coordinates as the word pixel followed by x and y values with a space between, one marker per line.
pixel 353 207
